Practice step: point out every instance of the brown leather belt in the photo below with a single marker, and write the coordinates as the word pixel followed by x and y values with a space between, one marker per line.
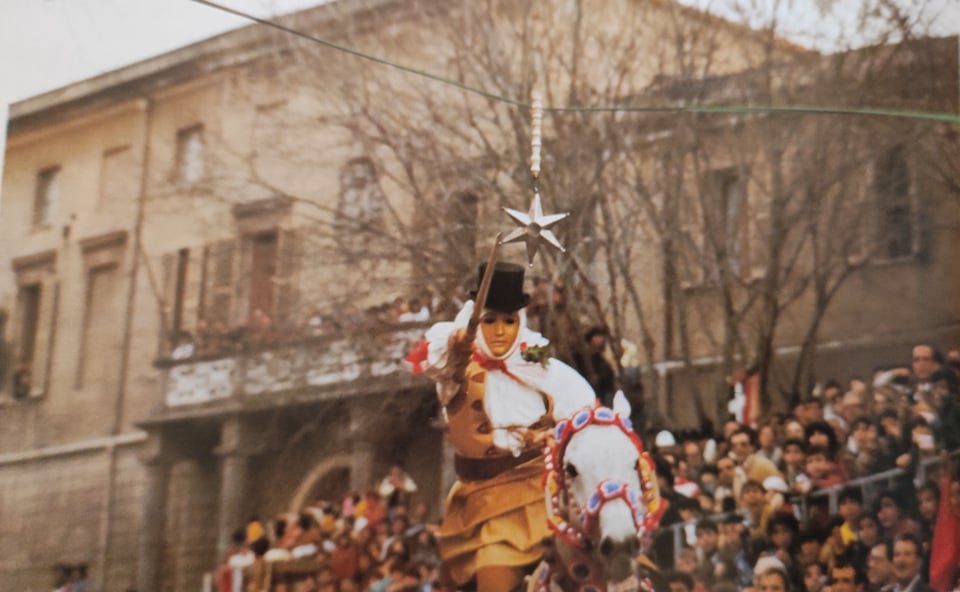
pixel 482 469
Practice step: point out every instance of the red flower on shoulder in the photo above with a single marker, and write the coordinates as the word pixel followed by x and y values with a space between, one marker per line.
pixel 417 356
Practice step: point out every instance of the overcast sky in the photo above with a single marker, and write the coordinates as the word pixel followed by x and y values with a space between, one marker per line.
pixel 46 44
pixel 70 40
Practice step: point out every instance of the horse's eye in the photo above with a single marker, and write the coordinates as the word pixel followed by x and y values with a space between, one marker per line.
pixel 636 465
pixel 571 470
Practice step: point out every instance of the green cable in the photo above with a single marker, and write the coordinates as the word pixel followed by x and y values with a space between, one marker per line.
pixel 708 109
pixel 361 55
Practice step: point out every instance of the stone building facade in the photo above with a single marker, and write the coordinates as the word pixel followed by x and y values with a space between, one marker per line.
pixel 146 203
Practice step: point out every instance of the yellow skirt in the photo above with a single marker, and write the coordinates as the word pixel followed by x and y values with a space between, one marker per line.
pixel 502 521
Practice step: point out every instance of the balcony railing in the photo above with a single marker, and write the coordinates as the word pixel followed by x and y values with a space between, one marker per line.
pixel 329 363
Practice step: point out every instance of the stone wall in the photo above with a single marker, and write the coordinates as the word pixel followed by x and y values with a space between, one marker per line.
pixel 125 511
pixel 191 533
pixel 52 513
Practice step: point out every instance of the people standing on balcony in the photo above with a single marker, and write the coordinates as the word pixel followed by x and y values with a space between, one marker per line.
pixel 416 312
pixel 260 327
pixel 313 324
pixel 201 338
pixel 184 349
pixel 501 394
pixel 397 310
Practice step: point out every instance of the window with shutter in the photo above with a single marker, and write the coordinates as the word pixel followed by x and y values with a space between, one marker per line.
pixel 219 289
pixel 33 323
pixel 287 278
pixel 179 292
pixel 29 304
pixel 263 272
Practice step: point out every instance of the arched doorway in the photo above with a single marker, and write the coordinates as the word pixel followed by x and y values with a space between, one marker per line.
pixel 329 480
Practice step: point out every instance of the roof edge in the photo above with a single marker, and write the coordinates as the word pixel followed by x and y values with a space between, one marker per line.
pixel 212 52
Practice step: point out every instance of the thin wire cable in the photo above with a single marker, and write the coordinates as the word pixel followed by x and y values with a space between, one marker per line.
pixel 362 55
pixel 942 117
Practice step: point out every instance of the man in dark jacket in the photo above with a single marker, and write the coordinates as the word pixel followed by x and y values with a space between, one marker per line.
pixel 907 564
pixel 594 366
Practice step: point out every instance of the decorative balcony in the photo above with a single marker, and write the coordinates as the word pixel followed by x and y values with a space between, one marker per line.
pixel 281 371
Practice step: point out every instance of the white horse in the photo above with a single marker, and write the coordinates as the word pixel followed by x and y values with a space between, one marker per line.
pixel 602 500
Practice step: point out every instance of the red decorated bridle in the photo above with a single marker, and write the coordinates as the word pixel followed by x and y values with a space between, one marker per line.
pixel 646 507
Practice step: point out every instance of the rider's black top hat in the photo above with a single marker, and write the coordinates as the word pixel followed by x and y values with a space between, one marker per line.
pixel 506 288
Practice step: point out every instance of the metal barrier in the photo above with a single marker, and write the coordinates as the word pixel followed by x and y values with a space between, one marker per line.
pixel 868 488
pixel 868 484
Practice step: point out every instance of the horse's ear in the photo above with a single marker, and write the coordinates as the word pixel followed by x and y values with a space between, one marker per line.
pixel 620 405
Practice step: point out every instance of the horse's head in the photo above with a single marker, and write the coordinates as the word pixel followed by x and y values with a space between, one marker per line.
pixel 605 481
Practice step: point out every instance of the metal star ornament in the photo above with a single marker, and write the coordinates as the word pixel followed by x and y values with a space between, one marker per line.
pixel 534 228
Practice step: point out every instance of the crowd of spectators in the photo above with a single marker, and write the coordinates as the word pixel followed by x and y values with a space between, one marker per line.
pixel 379 541
pixel 753 509
pixel 790 504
